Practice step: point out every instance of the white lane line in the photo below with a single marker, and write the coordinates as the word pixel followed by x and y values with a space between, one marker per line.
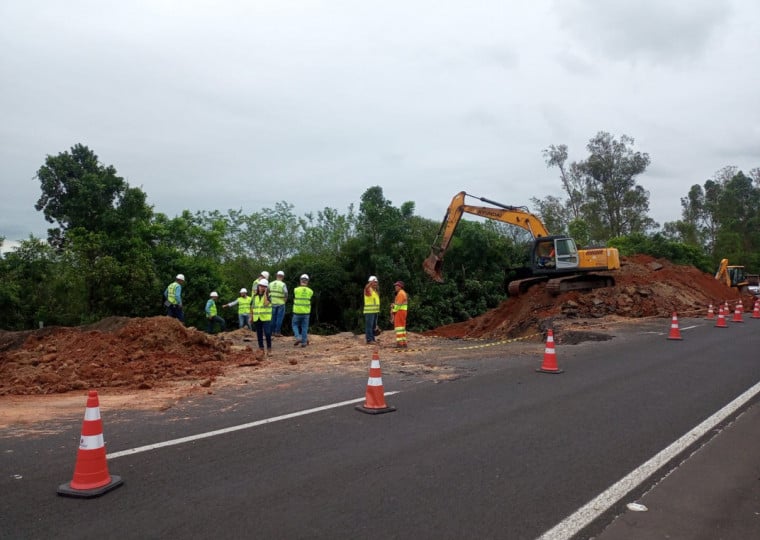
pixel 208 434
pixel 570 526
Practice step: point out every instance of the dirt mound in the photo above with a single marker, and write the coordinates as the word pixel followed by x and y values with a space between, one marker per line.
pixel 116 352
pixel 644 287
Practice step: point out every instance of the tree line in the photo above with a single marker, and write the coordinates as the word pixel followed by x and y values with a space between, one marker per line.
pixel 108 253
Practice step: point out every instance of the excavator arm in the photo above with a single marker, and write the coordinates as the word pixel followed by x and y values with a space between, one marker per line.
pixel 514 215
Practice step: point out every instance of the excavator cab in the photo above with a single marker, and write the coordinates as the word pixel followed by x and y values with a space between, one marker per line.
pixel 554 254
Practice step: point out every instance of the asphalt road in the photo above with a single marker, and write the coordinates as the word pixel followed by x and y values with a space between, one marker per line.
pixel 501 452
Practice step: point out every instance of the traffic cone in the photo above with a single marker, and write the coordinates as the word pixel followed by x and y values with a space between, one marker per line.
pixel 374 400
pixel 710 313
pixel 737 315
pixel 721 322
pixel 675 333
pixel 549 364
pixel 756 311
pixel 91 477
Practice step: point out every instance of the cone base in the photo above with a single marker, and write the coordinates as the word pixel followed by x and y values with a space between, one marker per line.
pixel 362 408
pixel 66 490
pixel 552 371
pixel 679 338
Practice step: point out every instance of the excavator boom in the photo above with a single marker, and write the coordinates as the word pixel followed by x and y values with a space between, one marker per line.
pixel 554 259
pixel 514 215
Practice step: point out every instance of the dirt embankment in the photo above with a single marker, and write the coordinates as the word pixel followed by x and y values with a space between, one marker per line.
pixel 148 353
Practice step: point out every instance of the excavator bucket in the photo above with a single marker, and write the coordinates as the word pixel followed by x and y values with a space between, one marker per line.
pixel 432 266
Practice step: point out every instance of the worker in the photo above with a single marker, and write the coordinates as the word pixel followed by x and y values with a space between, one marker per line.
pixel 371 309
pixel 211 317
pixel 278 292
pixel 263 275
pixel 546 256
pixel 173 298
pixel 399 309
pixel 301 311
pixel 244 309
pixel 262 315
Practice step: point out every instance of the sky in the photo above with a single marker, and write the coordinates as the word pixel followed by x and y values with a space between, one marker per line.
pixel 218 105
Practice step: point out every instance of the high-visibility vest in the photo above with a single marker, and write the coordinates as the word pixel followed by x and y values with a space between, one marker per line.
pixel 211 308
pixel 244 305
pixel 371 302
pixel 277 292
pixel 302 300
pixel 171 292
pixel 400 303
pixel 262 311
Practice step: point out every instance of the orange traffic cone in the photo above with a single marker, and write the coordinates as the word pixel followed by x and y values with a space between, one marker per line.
pixel 756 311
pixel 374 400
pixel 737 314
pixel 675 333
pixel 549 364
pixel 721 322
pixel 710 313
pixel 91 477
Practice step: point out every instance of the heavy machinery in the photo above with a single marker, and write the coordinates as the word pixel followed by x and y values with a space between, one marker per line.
pixel 555 260
pixel 733 276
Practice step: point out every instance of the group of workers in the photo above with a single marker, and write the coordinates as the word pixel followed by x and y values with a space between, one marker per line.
pixel 264 311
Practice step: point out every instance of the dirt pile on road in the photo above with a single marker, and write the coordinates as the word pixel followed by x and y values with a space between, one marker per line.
pixel 644 287
pixel 147 353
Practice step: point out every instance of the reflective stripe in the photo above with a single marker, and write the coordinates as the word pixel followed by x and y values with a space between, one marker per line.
pixel 375 381
pixel 91 442
pixel 92 413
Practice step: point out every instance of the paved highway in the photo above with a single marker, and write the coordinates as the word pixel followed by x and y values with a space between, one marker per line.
pixel 502 452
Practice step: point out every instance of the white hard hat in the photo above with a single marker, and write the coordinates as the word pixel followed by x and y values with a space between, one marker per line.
pixel 280 273
pixel 305 276
pixel 372 278
pixel 243 290
pixel 213 293
pixel 265 274
pixel 263 282
pixel 180 276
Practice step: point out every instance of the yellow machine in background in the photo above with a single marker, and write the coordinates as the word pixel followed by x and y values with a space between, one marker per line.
pixel 733 276
pixel 555 260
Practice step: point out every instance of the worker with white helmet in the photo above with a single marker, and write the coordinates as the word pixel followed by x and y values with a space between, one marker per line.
pixel 173 298
pixel 371 309
pixel 262 315
pixel 211 316
pixel 301 311
pixel 244 308
pixel 278 292
pixel 263 275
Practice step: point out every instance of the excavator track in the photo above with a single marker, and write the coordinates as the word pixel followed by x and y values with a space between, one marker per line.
pixel 558 285
pixel 582 282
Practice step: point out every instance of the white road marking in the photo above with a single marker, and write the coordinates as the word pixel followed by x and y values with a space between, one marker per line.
pixel 206 435
pixel 570 526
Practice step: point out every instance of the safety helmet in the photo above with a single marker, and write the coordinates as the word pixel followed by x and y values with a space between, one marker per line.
pixel 180 276
pixel 243 291
pixel 213 294
pixel 263 282
pixel 371 279
pixel 280 273
pixel 304 277
pixel 265 274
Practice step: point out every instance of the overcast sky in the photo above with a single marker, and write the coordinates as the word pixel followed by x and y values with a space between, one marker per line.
pixel 213 105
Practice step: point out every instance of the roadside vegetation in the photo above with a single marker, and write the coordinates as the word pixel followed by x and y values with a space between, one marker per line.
pixel 110 253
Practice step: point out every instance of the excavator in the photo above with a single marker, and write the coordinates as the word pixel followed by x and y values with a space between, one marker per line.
pixel 734 276
pixel 555 260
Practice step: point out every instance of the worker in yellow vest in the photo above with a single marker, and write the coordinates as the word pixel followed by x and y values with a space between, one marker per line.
pixel 244 308
pixel 262 315
pixel 278 292
pixel 371 309
pixel 301 311
pixel 211 317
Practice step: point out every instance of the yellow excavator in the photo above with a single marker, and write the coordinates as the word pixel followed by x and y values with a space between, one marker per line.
pixel 555 260
pixel 733 276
